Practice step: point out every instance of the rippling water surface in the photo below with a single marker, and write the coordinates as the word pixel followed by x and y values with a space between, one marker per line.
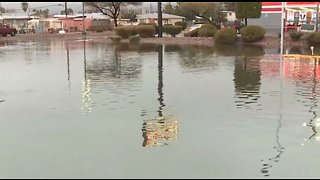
pixel 83 109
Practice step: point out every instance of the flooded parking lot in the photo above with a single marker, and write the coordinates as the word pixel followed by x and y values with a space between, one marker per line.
pixel 86 109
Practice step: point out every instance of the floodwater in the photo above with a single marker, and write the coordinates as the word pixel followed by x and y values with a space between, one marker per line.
pixel 86 109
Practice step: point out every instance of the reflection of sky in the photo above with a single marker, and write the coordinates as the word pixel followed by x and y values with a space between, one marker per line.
pixel 42 124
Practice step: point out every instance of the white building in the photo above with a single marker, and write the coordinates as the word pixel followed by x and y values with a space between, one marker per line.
pixel 153 18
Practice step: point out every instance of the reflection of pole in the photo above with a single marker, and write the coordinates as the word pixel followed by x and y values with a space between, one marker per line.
pixel 314 99
pixel 117 59
pixel 278 147
pixel 86 100
pixel 68 64
pixel 84 60
pixel 160 79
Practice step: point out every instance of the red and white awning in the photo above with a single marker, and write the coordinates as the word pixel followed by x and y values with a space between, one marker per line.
pixel 275 7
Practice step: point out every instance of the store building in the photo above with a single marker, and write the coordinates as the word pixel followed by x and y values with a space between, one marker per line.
pixel 296 13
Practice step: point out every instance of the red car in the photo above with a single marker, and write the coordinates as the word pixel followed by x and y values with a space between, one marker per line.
pixel 5 30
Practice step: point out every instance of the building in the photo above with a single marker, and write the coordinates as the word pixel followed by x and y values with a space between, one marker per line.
pixel 230 15
pixel 16 20
pixel 93 21
pixel 153 18
pixel 296 13
pixel 44 25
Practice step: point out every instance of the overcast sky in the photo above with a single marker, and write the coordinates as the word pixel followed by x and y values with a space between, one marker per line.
pixel 75 6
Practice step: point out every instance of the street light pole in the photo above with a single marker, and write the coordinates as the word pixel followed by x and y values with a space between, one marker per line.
pixel 282 29
pixel 159 20
pixel 83 23
pixel 317 15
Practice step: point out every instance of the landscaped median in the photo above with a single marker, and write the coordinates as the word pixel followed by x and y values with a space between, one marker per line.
pixel 266 40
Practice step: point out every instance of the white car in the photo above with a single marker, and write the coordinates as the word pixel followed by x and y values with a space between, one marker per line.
pixel 196 26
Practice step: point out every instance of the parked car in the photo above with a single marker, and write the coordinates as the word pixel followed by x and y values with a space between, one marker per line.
pixel 195 26
pixel 5 30
pixel 237 25
pixel 307 28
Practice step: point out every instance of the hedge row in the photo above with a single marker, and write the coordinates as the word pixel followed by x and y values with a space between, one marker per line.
pixel 143 30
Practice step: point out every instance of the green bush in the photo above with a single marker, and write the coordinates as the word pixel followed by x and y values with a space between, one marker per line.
pixel 134 39
pixel 313 38
pixel 252 33
pixel 181 23
pixel 172 30
pixel 226 36
pixel 146 31
pixel 193 33
pixel 115 39
pixel 207 30
pixel 295 36
pixel 126 31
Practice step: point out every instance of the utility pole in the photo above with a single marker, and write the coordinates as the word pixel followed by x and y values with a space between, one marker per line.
pixel 66 9
pixel 282 28
pixel 83 23
pixel 317 15
pixel 159 20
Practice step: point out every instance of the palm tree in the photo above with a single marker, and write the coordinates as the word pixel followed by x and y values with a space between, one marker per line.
pixel 24 6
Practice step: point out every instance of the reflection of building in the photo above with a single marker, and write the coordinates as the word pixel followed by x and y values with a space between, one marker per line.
pixel 157 132
pixel 298 69
pixel 247 77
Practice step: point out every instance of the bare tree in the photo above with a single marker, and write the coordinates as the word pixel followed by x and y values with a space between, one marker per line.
pixel 111 9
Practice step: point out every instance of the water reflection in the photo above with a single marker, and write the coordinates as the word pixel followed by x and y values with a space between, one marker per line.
pixel 141 47
pixel 303 50
pixel 236 50
pixel 68 65
pixel 86 88
pixel 314 122
pixel 247 81
pixel 157 131
pixel 279 149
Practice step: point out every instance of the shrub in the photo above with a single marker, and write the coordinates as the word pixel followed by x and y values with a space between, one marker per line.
pixel 181 23
pixel 126 31
pixel 146 31
pixel 295 36
pixel 207 30
pixel 193 33
pixel 252 33
pixel 115 39
pixel 172 30
pixel 313 38
pixel 134 39
pixel 151 24
pixel 99 29
pixel 226 36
